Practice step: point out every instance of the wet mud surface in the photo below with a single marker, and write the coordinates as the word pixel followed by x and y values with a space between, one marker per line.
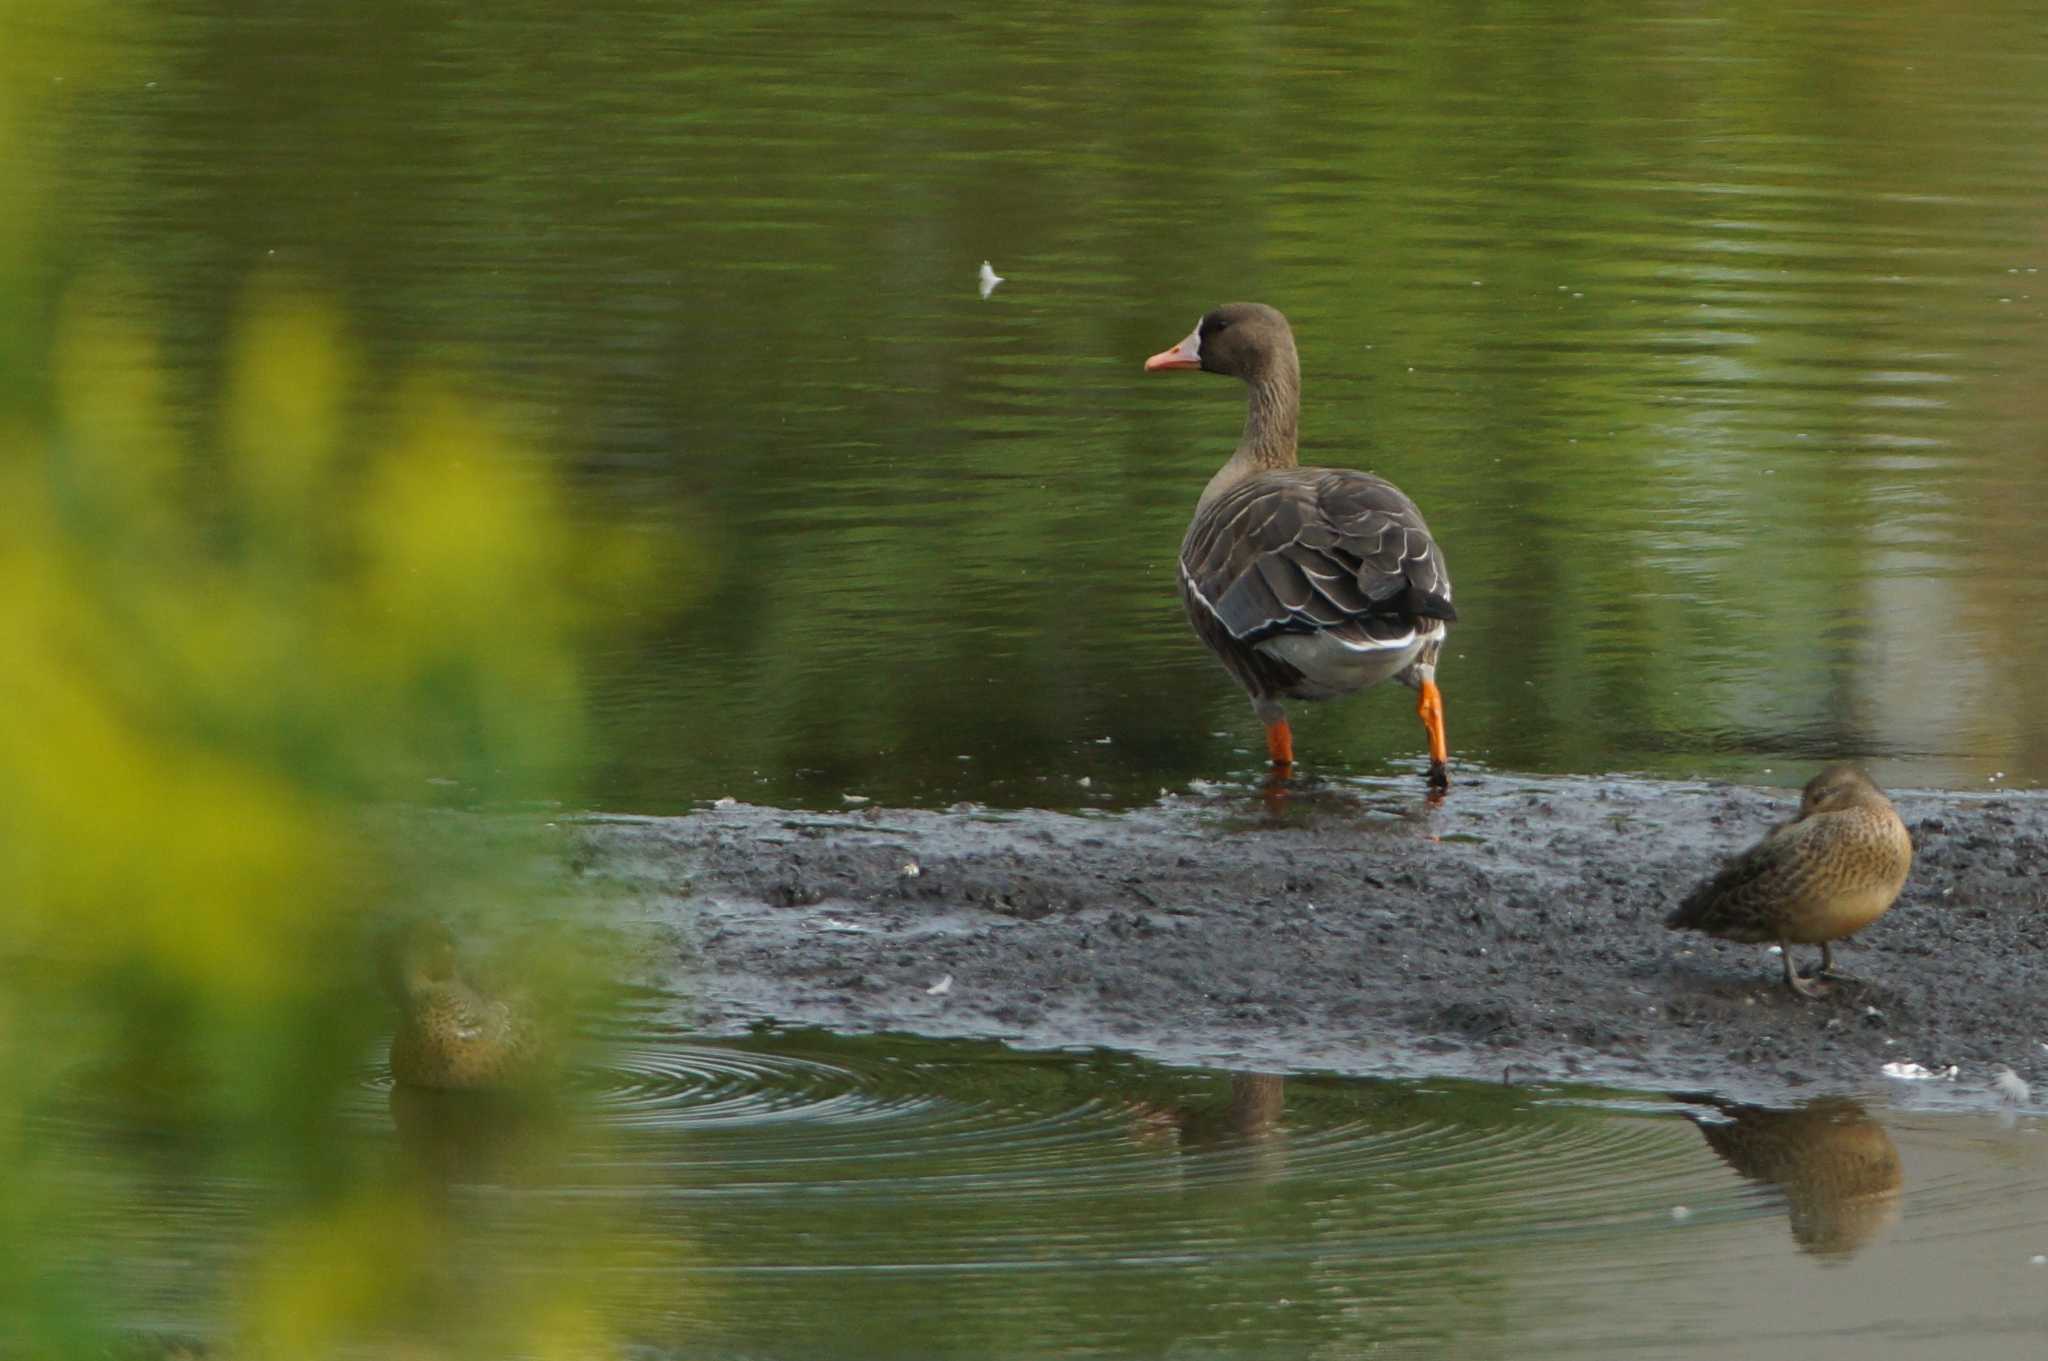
pixel 1513 930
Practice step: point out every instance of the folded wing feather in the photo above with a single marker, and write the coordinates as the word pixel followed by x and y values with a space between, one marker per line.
pixel 1317 550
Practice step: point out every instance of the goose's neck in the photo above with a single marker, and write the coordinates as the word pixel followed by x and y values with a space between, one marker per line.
pixel 1272 422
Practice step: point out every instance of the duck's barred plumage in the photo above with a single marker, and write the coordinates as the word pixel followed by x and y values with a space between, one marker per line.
pixel 1784 886
pixel 452 1034
pixel 1831 871
pixel 454 1038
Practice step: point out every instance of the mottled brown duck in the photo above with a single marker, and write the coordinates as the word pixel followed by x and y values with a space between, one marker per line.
pixel 1307 583
pixel 452 1035
pixel 1828 873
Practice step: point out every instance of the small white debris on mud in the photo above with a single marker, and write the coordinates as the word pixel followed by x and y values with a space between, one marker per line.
pixel 1912 1072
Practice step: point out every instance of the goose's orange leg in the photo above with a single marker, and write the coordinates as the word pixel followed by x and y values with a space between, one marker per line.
pixel 1280 745
pixel 1429 707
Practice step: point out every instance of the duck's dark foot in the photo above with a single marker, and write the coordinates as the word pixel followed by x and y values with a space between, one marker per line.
pixel 1805 987
pixel 1439 779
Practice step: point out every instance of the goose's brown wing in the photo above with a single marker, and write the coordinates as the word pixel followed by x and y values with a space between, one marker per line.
pixel 1316 550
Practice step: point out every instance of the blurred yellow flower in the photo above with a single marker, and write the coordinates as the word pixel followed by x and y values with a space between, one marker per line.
pixel 221 654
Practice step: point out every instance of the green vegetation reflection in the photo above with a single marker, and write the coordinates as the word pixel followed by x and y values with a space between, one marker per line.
pixel 253 633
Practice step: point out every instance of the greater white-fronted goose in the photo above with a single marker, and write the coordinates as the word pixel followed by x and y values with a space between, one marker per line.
pixel 1831 871
pixel 1307 583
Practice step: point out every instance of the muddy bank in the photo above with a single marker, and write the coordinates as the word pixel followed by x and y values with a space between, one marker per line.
pixel 1515 928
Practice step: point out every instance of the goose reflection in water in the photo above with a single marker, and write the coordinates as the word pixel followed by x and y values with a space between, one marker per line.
pixel 1836 1165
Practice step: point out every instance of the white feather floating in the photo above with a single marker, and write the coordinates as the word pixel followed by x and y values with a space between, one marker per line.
pixel 989 280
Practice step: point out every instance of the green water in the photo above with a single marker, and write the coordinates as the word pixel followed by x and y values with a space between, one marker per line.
pixel 1710 340
pixel 800 1195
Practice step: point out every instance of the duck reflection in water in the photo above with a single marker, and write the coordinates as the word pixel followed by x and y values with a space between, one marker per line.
pixel 458 1138
pixel 1248 1120
pixel 1836 1165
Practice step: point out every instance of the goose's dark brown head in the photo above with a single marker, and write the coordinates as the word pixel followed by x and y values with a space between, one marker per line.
pixel 1247 340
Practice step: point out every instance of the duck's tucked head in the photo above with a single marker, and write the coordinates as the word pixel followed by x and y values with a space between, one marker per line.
pixel 1247 340
pixel 417 957
pixel 1838 787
